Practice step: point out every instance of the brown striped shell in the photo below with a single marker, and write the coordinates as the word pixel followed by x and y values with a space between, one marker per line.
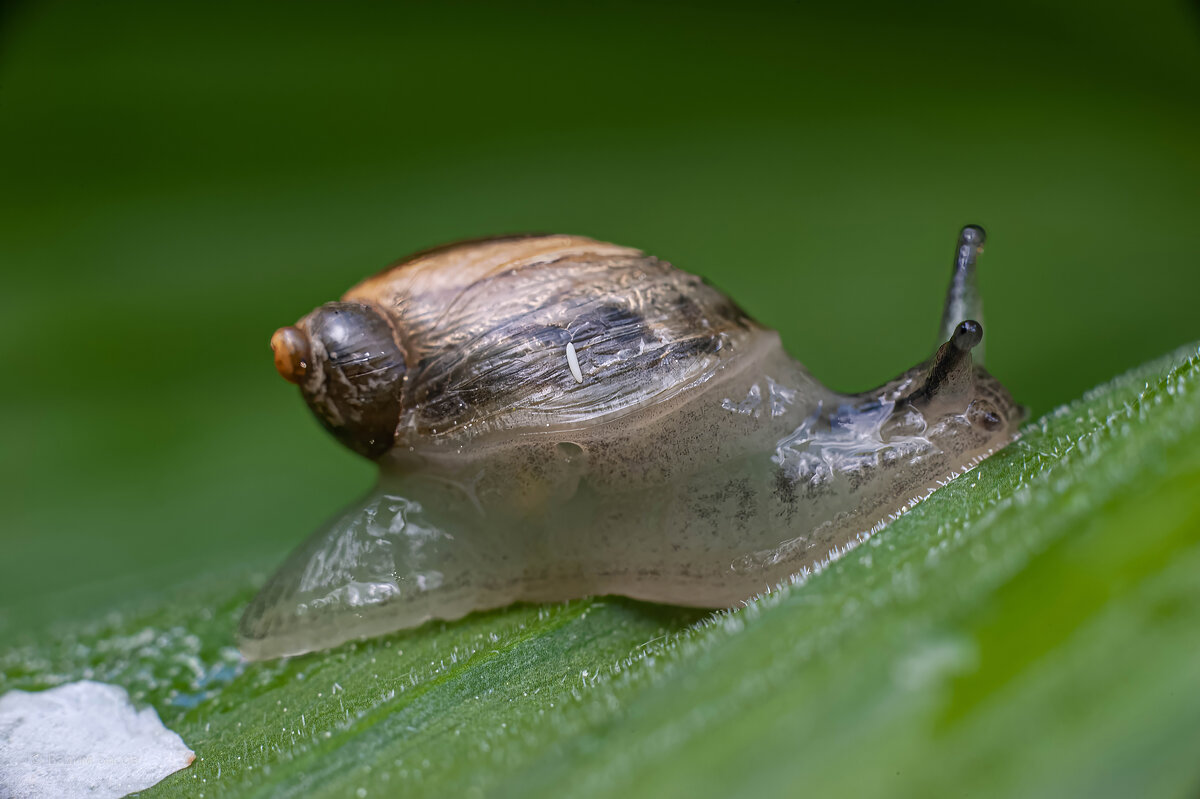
pixel 483 329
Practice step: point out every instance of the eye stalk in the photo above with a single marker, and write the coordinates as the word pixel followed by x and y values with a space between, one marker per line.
pixel 962 296
pixel 951 371
pixel 351 370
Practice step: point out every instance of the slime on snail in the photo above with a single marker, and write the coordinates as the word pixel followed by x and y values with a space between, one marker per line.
pixel 555 417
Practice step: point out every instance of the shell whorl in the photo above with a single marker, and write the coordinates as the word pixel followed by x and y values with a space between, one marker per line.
pixel 486 326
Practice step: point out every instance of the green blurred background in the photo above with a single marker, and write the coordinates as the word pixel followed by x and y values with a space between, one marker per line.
pixel 179 179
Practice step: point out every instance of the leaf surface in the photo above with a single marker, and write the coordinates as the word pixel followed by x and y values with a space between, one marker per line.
pixel 1033 629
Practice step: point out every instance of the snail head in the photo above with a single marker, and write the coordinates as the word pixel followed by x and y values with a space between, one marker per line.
pixel 348 362
pixel 951 399
pixel 952 390
pixel 955 386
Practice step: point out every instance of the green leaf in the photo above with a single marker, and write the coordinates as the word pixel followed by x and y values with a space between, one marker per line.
pixel 1032 629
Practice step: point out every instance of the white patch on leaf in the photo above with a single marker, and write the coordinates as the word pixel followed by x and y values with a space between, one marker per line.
pixel 83 739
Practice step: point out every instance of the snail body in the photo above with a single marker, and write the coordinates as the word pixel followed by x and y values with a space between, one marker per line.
pixel 555 417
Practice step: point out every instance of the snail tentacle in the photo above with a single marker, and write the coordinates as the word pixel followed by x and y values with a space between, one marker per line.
pixel 963 301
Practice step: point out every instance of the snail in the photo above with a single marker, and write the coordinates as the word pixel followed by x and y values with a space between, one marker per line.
pixel 555 417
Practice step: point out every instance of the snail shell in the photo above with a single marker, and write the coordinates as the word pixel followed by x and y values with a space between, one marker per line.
pixel 555 417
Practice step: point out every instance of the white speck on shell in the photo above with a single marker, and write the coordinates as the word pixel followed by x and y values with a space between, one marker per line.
pixel 83 739
pixel 573 362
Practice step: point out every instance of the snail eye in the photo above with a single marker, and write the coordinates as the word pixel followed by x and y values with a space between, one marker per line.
pixel 292 353
pixel 967 335
pixel 983 413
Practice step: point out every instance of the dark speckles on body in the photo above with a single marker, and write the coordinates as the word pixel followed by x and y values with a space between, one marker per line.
pixel 785 491
pixel 858 477
pixel 736 499
pixel 745 500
